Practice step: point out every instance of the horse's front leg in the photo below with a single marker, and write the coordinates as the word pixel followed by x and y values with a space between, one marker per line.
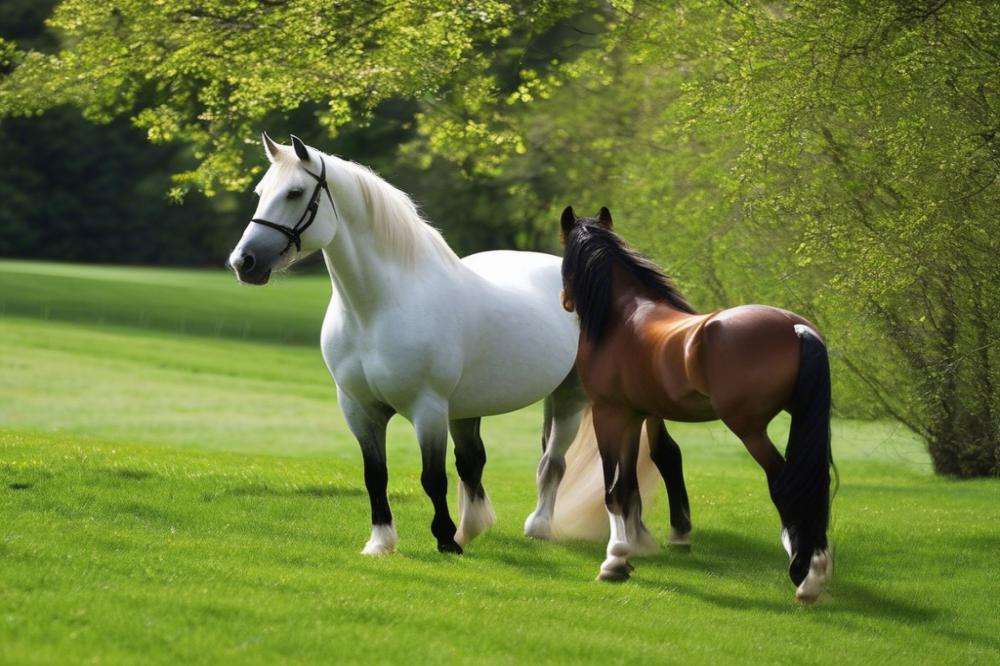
pixel 430 418
pixel 367 423
pixel 618 431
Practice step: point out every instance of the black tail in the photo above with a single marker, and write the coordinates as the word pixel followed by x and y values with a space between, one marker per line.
pixel 802 490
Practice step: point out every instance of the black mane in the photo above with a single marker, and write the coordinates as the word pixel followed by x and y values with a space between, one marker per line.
pixel 592 250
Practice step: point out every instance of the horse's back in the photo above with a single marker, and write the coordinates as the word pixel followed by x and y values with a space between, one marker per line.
pixel 517 270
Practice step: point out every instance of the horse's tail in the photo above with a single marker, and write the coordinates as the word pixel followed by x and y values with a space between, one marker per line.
pixel 802 490
pixel 579 511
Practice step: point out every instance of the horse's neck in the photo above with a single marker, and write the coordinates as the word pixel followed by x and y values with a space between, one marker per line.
pixel 366 279
pixel 630 298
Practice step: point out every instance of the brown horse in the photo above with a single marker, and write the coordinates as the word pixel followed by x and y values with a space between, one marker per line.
pixel 645 356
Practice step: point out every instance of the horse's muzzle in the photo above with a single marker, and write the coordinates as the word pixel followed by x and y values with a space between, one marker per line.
pixel 248 270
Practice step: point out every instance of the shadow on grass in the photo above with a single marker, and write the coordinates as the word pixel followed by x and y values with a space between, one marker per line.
pixel 520 554
pixel 983 543
pixel 848 602
pixel 720 554
pixel 128 473
pixel 266 490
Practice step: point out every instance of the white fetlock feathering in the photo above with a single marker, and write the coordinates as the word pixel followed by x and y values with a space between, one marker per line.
pixel 477 515
pixel 537 527
pixel 382 542
pixel 615 566
pixel 641 540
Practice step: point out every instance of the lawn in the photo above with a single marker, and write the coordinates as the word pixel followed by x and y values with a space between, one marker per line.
pixel 177 485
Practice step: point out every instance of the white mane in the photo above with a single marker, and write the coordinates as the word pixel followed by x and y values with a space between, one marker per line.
pixel 399 228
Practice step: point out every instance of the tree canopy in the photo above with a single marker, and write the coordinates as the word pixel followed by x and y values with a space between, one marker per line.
pixel 840 159
pixel 209 72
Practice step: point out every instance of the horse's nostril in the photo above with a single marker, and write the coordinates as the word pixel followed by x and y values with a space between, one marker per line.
pixel 246 262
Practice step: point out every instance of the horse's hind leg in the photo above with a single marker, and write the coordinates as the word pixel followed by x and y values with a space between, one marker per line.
pixel 763 450
pixel 476 513
pixel 563 409
pixel 666 455
pixel 368 426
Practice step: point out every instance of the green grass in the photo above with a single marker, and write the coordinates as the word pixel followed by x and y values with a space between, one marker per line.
pixel 194 302
pixel 177 498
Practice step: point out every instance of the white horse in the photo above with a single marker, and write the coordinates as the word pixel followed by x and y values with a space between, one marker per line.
pixel 412 329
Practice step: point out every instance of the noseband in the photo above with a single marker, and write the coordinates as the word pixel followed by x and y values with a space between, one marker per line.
pixel 294 233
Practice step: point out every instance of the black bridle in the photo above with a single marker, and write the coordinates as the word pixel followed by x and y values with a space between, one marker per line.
pixel 294 233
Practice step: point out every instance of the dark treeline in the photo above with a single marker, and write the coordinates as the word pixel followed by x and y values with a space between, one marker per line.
pixel 75 190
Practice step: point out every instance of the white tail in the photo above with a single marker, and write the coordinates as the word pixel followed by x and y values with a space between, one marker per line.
pixel 579 511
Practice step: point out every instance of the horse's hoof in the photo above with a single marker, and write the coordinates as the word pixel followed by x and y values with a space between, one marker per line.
pixel 452 547
pixel 616 575
pixel 679 540
pixel 382 541
pixel 820 569
pixel 537 527
pixel 377 549
pixel 615 569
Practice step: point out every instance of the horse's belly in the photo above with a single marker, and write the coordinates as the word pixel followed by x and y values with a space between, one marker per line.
pixel 515 364
pixel 526 343
pixel 507 388
pixel 694 408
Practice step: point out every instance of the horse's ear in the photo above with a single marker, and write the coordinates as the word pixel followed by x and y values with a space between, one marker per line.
pixel 567 222
pixel 270 149
pixel 604 217
pixel 300 149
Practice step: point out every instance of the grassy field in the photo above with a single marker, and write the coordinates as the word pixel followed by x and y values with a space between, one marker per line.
pixel 177 485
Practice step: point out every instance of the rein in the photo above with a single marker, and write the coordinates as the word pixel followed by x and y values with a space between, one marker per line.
pixel 294 233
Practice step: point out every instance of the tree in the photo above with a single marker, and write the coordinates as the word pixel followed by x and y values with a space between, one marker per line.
pixel 210 72
pixel 840 159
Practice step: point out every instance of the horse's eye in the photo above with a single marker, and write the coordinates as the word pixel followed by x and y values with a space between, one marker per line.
pixel 295 194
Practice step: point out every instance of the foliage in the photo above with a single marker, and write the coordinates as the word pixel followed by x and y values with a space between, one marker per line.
pixel 210 72
pixel 839 159
pixel 843 155
pixel 80 192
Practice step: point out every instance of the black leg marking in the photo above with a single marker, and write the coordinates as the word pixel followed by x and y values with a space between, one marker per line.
pixel 470 454
pixel 377 481
pixel 434 479
pixel 368 424
pixel 666 455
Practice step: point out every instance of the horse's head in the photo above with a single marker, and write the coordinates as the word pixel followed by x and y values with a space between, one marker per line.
pixel 295 216
pixel 571 226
